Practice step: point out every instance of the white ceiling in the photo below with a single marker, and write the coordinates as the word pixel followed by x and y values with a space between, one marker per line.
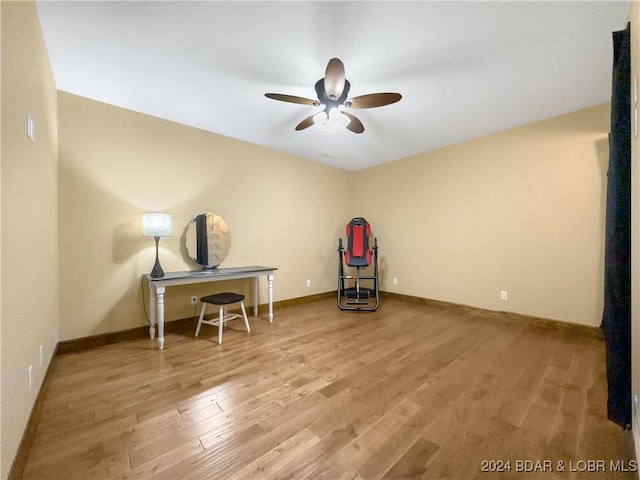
pixel 465 69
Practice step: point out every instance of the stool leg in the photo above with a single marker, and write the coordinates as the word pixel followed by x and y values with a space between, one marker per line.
pixel 204 306
pixel 220 323
pixel 244 314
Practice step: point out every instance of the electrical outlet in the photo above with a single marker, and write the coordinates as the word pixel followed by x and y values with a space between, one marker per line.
pixel 394 281
pixel 504 295
pixel 308 283
pixel 30 370
pixel 41 355
pixel 194 300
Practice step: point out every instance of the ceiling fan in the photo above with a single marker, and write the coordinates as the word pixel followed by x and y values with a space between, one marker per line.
pixel 333 92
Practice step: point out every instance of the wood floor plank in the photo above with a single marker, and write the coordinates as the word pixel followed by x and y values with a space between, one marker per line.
pixel 162 462
pixel 370 441
pixel 398 443
pixel 210 428
pixel 277 458
pixel 459 458
pixel 409 391
pixel 413 463
pixel 314 456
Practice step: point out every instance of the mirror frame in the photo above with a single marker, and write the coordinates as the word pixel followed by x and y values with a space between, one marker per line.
pixel 208 240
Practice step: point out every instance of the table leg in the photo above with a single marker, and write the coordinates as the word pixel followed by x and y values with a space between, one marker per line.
pixel 160 314
pixel 256 298
pixel 152 311
pixel 270 293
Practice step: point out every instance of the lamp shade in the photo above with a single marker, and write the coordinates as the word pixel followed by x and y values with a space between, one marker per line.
pixel 156 224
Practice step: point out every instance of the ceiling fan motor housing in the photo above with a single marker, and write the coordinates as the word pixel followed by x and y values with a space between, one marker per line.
pixel 328 102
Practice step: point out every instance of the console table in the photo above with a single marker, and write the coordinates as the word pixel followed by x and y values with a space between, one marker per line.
pixel 157 288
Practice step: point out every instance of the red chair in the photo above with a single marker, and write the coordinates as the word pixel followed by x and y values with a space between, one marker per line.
pixel 352 295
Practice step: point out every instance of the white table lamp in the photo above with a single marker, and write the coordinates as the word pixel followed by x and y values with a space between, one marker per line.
pixel 156 225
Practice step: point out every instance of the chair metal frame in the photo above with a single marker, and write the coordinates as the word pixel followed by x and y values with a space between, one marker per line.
pixel 358 298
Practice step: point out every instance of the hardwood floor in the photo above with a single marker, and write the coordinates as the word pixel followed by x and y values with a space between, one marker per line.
pixel 411 391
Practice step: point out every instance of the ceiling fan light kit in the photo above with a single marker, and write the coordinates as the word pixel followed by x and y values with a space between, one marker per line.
pixel 333 91
pixel 328 123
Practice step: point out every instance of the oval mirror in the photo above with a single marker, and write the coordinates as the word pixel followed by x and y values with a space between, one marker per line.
pixel 208 240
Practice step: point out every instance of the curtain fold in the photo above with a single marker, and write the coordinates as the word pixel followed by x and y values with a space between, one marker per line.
pixel 202 245
pixel 616 318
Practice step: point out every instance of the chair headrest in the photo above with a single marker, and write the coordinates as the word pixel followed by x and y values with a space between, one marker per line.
pixel 358 253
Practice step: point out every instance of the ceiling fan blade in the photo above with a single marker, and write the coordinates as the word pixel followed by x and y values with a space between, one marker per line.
pixel 306 123
pixel 334 78
pixel 373 100
pixel 291 99
pixel 355 125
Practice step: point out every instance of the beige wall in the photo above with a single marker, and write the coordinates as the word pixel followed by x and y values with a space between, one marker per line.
pixel 29 302
pixel 521 211
pixel 114 164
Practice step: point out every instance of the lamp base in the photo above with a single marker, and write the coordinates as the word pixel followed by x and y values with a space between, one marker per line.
pixel 157 271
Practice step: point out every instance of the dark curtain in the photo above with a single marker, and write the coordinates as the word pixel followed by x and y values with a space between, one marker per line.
pixel 202 246
pixel 616 319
